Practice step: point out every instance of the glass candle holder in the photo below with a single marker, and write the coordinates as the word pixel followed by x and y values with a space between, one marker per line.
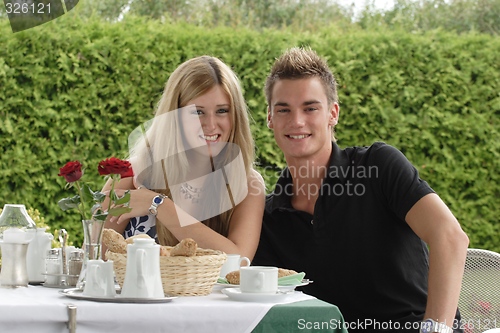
pixel 16 216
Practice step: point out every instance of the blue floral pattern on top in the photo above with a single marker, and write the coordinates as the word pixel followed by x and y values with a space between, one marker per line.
pixel 141 225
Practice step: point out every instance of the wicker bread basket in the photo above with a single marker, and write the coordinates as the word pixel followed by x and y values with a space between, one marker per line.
pixel 181 276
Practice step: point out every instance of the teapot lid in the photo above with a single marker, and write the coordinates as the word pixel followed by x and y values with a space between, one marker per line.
pixel 144 241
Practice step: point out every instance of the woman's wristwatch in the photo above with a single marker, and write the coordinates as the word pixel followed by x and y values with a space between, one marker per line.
pixel 431 326
pixel 157 200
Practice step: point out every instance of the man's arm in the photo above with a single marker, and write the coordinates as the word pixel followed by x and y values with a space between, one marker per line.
pixel 434 223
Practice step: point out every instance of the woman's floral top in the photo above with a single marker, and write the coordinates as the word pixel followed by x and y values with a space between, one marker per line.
pixel 141 225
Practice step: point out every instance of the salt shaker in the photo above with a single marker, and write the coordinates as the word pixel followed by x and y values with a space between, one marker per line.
pixel 53 267
pixel 75 261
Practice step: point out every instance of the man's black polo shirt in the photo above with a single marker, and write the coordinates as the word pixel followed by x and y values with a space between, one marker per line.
pixel 357 247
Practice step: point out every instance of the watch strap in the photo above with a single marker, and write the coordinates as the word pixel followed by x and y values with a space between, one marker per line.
pixel 157 201
pixel 432 326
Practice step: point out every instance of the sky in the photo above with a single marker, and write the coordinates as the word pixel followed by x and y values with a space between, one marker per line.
pixel 360 4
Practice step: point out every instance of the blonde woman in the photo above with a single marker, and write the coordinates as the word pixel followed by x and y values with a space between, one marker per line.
pixel 193 165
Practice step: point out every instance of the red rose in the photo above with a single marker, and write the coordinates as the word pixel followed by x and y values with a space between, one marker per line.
pixel 71 171
pixel 115 166
pixel 129 173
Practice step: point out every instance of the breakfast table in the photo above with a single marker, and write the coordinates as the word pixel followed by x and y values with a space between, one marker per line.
pixel 46 310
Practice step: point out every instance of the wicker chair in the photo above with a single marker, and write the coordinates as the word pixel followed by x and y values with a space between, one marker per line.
pixel 493 330
pixel 479 302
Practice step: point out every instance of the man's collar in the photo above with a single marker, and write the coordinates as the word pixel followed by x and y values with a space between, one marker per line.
pixel 339 164
pixel 283 190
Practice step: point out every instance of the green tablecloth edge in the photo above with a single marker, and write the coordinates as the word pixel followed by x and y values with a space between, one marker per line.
pixel 304 316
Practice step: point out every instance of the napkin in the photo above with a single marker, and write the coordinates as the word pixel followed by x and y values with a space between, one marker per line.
pixel 293 279
pixel 222 280
pixel 282 281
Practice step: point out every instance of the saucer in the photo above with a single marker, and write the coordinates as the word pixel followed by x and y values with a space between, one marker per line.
pixel 282 288
pixel 237 295
pixel 77 293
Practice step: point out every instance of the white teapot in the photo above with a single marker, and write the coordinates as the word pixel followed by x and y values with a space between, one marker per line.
pixel 37 250
pixel 142 275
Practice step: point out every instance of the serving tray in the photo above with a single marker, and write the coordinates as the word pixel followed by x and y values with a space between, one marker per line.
pixel 76 293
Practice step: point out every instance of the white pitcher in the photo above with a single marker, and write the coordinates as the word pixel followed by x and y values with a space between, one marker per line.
pixel 142 275
pixel 37 250
pixel 99 281
pixel 233 263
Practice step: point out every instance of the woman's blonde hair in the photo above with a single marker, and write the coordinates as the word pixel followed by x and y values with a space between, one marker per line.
pixel 191 79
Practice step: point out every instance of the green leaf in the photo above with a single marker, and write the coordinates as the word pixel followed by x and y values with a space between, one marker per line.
pixel 69 203
pixel 98 196
pixel 100 217
pixel 119 211
pixel 125 199
pixel 95 208
pixel 87 193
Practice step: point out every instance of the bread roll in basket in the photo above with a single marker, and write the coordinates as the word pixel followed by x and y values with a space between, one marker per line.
pixel 189 271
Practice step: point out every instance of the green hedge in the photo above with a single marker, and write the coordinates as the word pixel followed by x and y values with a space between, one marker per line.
pixel 73 89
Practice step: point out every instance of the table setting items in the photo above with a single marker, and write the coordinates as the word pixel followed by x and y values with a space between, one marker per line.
pixel 288 280
pixel 140 278
pixel 142 281
pixel 14 250
pixel 63 239
pixel 257 284
pixel 89 204
pixel 185 269
pixel 260 284
pixel 15 216
pixel 231 266
pixel 92 244
pixel 56 267
pixel 75 263
pixel 14 242
pixel 27 253
pixel 259 279
pixel 100 281
pixel 37 252
pixel 142 275
pixel 53 268
pixel 292 281
pixel 233 263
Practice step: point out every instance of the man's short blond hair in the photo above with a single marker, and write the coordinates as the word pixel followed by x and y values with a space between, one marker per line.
pixel 300 63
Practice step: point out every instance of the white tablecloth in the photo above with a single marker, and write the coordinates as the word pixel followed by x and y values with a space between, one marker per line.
pixel 44 310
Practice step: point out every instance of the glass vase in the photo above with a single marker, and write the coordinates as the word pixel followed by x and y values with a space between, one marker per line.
pixel 92 243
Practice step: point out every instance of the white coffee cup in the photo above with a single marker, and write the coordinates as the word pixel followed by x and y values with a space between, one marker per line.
pixel 142 275
pixel 259 279
pixel 99 279
pixel 233 263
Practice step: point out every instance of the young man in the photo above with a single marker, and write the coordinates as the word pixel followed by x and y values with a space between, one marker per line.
pixel 358 221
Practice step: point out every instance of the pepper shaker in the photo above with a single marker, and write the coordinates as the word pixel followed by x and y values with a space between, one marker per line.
pixel 75 262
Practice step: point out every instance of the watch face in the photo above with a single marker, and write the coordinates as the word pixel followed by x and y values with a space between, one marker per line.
pixel 157 200
pixel 426 326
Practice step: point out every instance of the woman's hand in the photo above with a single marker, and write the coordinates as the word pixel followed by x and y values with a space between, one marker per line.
pixel 140 201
